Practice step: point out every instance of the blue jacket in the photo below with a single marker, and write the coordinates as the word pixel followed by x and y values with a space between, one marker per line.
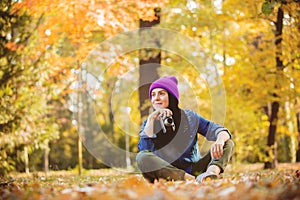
pixel 181 150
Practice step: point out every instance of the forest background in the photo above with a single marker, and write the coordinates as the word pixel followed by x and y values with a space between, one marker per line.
pixel 73 77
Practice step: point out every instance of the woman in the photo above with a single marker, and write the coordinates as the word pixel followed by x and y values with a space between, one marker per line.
pixel 171 151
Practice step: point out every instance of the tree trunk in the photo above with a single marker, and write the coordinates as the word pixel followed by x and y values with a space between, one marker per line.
pixel 26 160
pixel 46 159
pixel 79 121
pixel 127 146
pixel 148 69
pixel 79 156
pixel 298 118
pixel 273 117
pixel 298 129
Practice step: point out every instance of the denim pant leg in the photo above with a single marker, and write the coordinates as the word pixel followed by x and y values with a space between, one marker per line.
pixel 153 167
pixel 202 165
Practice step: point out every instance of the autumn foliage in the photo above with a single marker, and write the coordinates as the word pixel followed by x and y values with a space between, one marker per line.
pixel 44 46
pixel 239 184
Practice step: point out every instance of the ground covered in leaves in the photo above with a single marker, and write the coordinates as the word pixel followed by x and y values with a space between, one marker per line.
pixel 238 182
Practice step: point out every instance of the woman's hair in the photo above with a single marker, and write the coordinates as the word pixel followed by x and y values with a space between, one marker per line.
pixel 162 138
pixel 173 102
pixel 173 106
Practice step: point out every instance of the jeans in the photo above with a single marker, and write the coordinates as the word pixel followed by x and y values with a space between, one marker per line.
pixel 154 167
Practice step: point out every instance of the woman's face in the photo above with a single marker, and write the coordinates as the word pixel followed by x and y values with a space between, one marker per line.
pixel 159 98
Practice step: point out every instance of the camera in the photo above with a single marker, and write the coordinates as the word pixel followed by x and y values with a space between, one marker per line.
pixel 169 122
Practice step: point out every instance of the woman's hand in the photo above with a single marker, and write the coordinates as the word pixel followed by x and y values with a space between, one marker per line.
pixel 216 149
pixel 162 112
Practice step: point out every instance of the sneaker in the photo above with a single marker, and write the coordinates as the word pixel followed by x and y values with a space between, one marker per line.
pixel 206 176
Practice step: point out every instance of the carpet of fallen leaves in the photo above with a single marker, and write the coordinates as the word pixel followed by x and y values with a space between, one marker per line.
pixel 239 182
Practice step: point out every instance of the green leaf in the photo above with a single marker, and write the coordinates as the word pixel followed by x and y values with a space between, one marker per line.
pixel 267 7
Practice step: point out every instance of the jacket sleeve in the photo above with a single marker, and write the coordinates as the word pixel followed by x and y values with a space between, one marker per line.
pixel 209 129
pixel 145 142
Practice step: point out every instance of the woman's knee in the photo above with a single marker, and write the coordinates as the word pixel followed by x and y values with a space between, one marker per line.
pixel 229 144
pixel 143 156
pixel 229 148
